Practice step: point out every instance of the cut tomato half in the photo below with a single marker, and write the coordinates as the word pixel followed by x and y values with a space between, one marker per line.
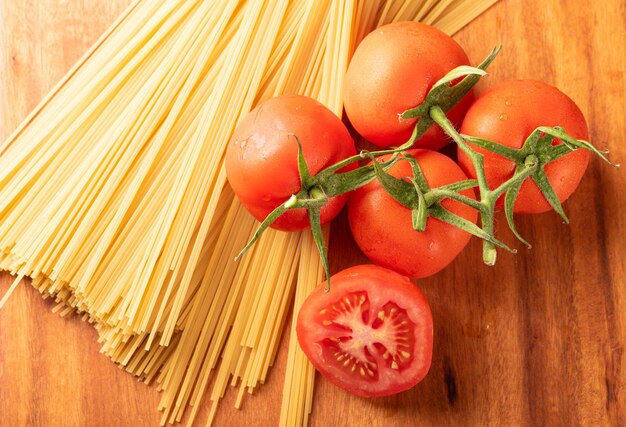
pixel 371 334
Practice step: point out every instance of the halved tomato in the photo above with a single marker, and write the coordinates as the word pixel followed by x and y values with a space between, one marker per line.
pixel 371 334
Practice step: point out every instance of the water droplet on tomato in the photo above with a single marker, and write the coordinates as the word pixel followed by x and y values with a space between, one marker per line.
pixel 243 144
pixel 507 102
pixel 431 245
pixel 503 117
pixel 266 198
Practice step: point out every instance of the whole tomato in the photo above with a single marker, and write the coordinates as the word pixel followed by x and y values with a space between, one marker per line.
pixel 507 114
pixel 392 70
pixel 383 228
pixel 262 156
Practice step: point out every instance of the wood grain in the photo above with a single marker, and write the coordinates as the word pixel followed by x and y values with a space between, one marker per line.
pixel 537 339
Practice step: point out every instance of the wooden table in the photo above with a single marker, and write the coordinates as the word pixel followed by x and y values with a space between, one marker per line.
pixel 536 340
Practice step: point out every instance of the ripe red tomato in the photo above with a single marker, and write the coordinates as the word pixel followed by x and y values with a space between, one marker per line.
pixel 392 70
pixel 507 113
pixel 371 334
pixel 262 156
pixel 383 228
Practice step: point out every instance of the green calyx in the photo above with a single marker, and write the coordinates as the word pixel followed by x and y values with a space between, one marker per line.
pixel 315 191
pixel 536 152
pixel 415 193
pixel 445 94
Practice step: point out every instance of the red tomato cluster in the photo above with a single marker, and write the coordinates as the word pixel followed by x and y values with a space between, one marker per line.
pixel 372 333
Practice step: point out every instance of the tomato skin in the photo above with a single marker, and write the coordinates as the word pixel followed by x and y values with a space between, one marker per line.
pixel 507 114
pixel 381 288
pixel 383 228
pixel 392 70
pixel 261 157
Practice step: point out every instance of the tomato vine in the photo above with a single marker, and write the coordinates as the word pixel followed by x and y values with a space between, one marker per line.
pixel 414 192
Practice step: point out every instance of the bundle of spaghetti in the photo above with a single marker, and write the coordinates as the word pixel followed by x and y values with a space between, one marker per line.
pixel 130 166
pixel 250 350
pixel 297 400
pixel 113 197
pixel 447 15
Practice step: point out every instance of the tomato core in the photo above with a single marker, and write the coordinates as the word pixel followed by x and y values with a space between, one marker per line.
pixel 362 346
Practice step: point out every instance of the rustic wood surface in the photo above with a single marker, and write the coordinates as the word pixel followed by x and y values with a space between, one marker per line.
pixel 536 340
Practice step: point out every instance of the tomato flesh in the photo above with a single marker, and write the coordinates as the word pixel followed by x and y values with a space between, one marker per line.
pixel 371 334
pixel 358 342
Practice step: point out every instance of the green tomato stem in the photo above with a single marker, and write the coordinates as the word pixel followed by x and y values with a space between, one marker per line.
pixel 530 166
pixel 502 150
pixel 487 212
pixel 436 195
